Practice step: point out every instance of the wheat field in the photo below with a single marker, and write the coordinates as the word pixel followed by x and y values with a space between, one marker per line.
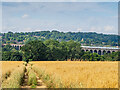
pixel 77 74
pixel 65 74
pixel 7 67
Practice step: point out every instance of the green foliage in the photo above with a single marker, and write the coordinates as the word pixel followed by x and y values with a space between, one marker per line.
pixel 25 63
pixel 87 56
pixel 63 50
pixel 114 56
pixel 52 50
pixel 50 81
pixel 34 50
pixel 32 80
pixel 11 56
pixel 9 53
pixel 33 86
pixel 90 38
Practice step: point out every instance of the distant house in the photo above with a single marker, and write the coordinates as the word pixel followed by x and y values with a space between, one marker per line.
pixel 82 40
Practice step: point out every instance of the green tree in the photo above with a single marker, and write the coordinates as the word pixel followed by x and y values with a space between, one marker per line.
pixel 16 56
pixel 35 50
pixel 54 49
pixel 73 49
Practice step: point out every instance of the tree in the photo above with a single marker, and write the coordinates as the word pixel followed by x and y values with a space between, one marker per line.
pixel 73 49
pixel 63 50
pixel 16 56
pixel 54 49
pixel 86 56
pixel 7 48
pixel 89 38
pixel 35 50
pixel 6 56
pixel 11 56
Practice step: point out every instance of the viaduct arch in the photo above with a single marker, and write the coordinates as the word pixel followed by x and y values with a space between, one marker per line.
pixel 100 50
pixel 17 46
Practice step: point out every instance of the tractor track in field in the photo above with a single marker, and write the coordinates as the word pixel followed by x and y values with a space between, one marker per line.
pixel 40 83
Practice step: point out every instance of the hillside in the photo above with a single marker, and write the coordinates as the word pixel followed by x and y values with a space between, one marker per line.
pixel 90 38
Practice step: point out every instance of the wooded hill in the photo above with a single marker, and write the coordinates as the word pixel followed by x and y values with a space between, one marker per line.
pixel 90 38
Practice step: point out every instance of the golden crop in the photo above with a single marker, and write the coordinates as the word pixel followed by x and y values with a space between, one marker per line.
pixel 66 74
pixel 7 67
pixel 82 74
pixel 15 78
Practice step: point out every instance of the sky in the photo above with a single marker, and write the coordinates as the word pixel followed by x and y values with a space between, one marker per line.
pixel 100 17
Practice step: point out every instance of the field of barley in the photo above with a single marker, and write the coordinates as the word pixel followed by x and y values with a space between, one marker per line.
pixel 75 74
pixel 59 74
pixel 7 68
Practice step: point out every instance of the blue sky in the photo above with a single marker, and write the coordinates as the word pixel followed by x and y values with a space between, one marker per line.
pixel 100 17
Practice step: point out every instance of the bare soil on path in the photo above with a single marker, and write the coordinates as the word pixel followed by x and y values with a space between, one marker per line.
pixel 40 83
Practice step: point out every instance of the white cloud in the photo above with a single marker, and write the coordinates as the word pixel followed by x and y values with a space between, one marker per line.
pixel 45 17
pixel 79 29
pixel 25 16
pixel 37 30
pixel 93 29
pixel 116 16
pixel 108 28
pixel 9 28
pixel 27 29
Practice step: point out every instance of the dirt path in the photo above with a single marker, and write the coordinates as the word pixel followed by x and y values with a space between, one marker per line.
pixel 25 79
pixel 40 83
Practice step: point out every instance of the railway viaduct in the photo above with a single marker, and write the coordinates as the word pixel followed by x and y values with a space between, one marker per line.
pixel 17 46
pixel 100 50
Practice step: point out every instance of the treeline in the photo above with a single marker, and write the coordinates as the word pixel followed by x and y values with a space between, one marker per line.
pixel 10 53
pixel 90 38
pixel 52 50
